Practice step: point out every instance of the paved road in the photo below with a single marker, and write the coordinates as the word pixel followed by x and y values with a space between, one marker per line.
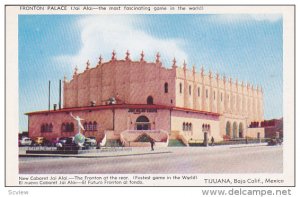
pixel 259 159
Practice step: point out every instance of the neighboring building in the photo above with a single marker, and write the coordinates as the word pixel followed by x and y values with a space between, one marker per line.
pixel 125 95
pixel 273 128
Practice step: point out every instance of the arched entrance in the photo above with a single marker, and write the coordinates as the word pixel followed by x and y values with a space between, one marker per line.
pixel 150 100
pixel 228 129
pixel 234 130
pixel 241 130
pixel 143 123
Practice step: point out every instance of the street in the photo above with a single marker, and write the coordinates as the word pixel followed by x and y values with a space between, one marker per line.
pixel 226 159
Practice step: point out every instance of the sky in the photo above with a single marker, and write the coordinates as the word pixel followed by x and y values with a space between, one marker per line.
pixel 244 47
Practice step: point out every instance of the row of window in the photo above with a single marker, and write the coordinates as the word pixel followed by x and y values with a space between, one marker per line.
pixel 166 87
pixel 205 127
pixel 46 127
pixel 199 92
pixel 206 93
pixel 69 127
pixel 90 126
pixel 187 126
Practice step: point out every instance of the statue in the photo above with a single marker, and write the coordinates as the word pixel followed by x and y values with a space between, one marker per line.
pixel 79 138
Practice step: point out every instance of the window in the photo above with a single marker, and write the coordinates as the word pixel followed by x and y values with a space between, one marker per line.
pixel 63 127
pixel 180 87
pixel 95 126
pixel 150 100
pixel 206 93
pixel 67 127
pixel 143 123
pixel 214 95
pixel 166 87
pixel 43 128
pixel 198 91
pixel 46 128
pixel 50 127
pixel 190 127
pixel 90 126
pixel 183 126
pixel 190 89
pixel 71 127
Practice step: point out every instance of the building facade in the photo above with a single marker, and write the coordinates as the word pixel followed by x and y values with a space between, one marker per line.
pixel 123 95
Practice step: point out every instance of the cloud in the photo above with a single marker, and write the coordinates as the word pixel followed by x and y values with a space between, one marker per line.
pixel 233 18
pixel 105 33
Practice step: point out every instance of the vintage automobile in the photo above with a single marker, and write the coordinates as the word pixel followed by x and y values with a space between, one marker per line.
pixel 41 141
pixel 25 142
pixel 274 142
pixel 61 141
pixel 68 145
pixel 90 142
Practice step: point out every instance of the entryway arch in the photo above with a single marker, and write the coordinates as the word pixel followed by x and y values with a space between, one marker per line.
pixel 241 130
pixel 143 123
pixel 234 130
pixel 228 129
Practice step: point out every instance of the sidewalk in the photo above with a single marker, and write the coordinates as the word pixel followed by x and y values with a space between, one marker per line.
pixel 134 151
pixel 105 152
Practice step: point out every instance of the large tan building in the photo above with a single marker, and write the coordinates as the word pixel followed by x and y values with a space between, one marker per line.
pixel 118 98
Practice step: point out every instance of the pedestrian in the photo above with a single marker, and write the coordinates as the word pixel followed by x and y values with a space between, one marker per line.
pixel 212 141
pixel 152 144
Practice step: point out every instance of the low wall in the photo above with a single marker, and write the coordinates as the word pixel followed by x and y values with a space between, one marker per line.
pixel 146 144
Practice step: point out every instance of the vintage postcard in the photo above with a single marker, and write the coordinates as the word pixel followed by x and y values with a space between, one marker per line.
pixel 172 95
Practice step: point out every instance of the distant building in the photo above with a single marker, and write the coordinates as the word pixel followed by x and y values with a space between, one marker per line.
pixel 273 128
pixel 118 98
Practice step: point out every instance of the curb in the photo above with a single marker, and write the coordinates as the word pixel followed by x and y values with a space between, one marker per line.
pixel 90 156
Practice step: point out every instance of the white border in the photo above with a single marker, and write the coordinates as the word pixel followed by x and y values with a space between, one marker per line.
pixel 288 73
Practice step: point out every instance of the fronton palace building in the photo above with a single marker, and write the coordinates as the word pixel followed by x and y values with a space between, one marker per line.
pixel 130 100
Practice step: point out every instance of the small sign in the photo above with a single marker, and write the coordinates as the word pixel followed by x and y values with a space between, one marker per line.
pixel 142 110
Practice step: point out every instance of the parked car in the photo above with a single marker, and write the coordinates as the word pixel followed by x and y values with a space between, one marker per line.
pixel 61 141
pixel 41 141
pixel 25 141
pixel 90 141
pixel 54 141
pixel 275 141
pixel 68 145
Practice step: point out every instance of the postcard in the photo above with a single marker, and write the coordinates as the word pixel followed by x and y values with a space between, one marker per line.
pixel 147 95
